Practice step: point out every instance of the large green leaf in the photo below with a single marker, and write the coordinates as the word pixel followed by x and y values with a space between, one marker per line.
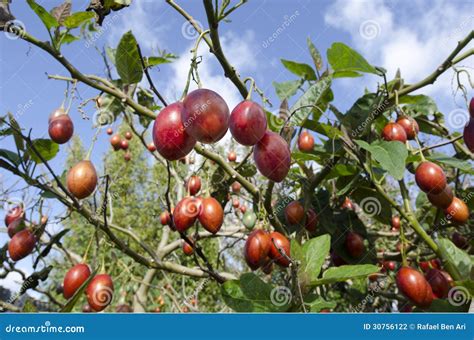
pixel 45 147
pixel 390 155
pixel 48 20
pixel 77 19
pixel 347 62
pixel 457 257
pixel 300 69
pixel 318 303
pixel 311 98
pixel 344 273
pixel 10 156
pixel 314 252
pixel 127 59
pixel 251 294
pixel 286 89
pixel 359 118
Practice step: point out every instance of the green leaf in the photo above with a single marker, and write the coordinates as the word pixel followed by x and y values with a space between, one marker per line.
pixel 456 256
pixel 317 60
pixel 359 118
pixel 342 58
pixel 312 97
pixel 344 273
pixel 390 155
pixel 48 20
pixel 419 104
pixel 300 69
pixel 153 61
pixel 20 144
pixel 372 203
pixel 10 156
pixel 322 128
pixel 314 253
pixel 463 165
pixel 110 54
pixel 286 89
pixel 77 296
pixel 444 306
pixel 319 303
pixel 127 59
pixel 251 294
pixel 45 147
pixel 77 19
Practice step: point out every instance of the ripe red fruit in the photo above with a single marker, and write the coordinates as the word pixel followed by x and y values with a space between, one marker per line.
pixel 61 127
pixel 151 147
pixel 109 131
pixel 395 222
pixel 128 135
pixel 82 179
pixel 248 123
pixel 116 142
pixel 471 107
pixel 468 134
pixel 443 199
pixel 394 132
pixel 305 142
pixel 272 156
pixel 406 309
pixel 193 185
pixel 243 209
pixel 165 218
pixel 127 156
pixel 205 115
pixel 438 282
pixel 15 227
pixel 459 240
pixel 235 203
pixel 279 245
pixel 236 186
pixel 414 286
pixel 347 204
pixel 211 215
pixel 14 213
pixel 257 248
pixel 354 244
pixel 186 212
pixel 74 279
pixel 311 221
pixel 430 178
pixel 389 265
pixel 187 248
pixel 87 309
pixel 232 156
pixel 409 125
pixel 124 144
pixel 169 134
pixel 294 212
pixel 21 245
pixel 457 212
pixel 100 292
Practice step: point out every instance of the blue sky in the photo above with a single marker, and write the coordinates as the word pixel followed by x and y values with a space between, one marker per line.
pixel 413 35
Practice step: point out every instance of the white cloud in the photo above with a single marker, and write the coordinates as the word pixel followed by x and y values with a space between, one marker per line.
pixel 415 37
